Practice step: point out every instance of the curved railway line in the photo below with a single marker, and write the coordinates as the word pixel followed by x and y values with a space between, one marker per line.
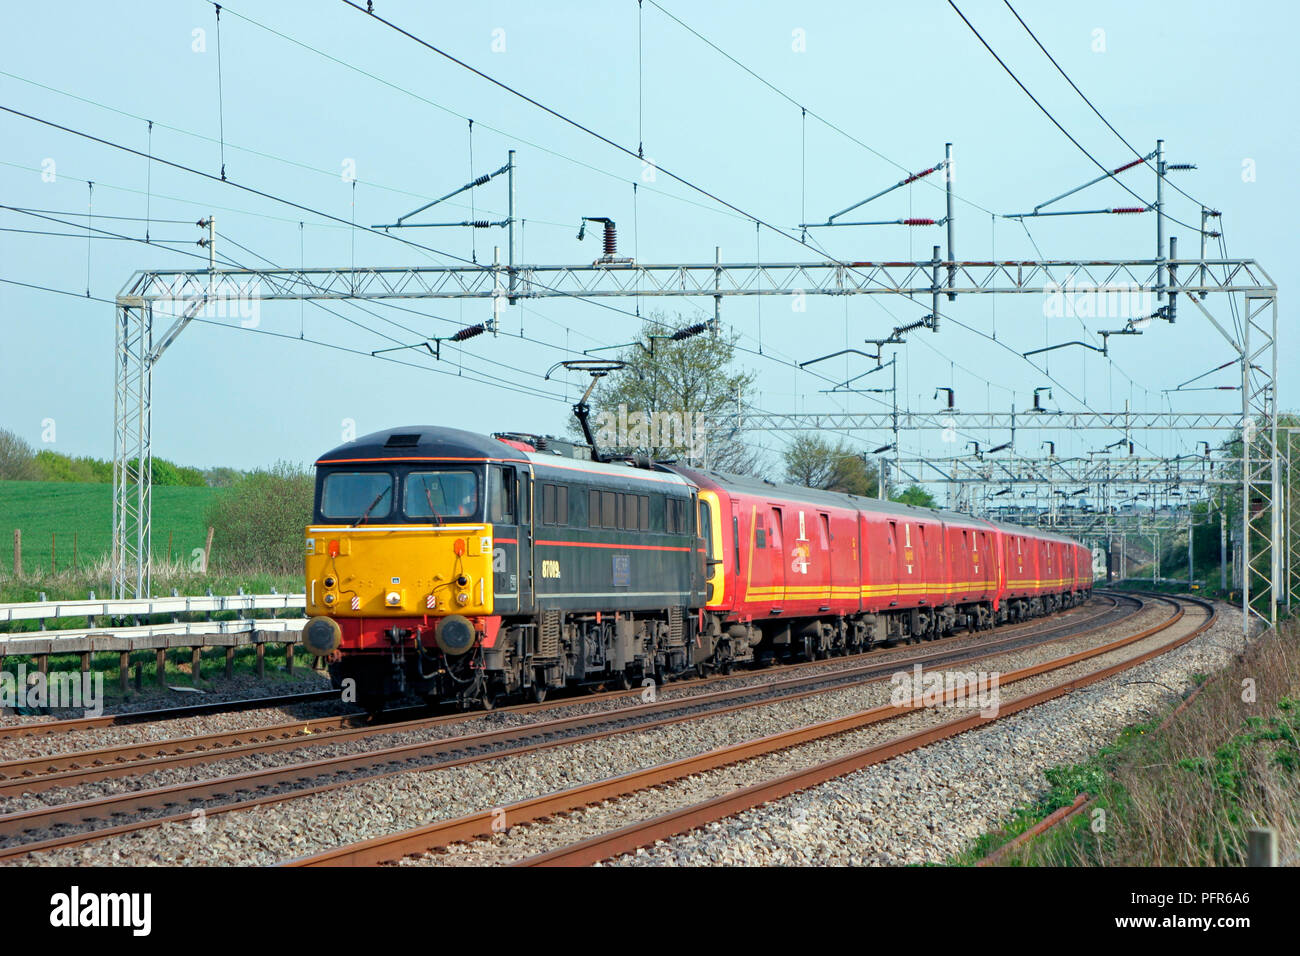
pixel 37 773
pixel 422 840
pixel 63 825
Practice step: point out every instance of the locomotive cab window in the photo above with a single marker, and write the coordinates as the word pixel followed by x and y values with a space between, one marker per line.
pixel 501 495
pixel 357 494
pixel 445 495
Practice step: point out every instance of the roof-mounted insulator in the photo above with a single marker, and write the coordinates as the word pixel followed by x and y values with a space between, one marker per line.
pixel 919 222
pixel 469 333
pixel 1128 210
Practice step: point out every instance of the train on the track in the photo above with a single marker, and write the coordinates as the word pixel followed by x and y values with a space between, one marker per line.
pixel 473 569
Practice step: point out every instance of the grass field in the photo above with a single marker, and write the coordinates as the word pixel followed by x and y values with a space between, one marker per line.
pixel 41 509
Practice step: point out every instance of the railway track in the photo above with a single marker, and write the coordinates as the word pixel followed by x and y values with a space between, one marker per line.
pixel 73 724
pixel 48 728
pixel 40 773
pixel 421 840
pixel 247 790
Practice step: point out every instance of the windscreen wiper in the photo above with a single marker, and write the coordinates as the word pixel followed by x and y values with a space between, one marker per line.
pixel 366 514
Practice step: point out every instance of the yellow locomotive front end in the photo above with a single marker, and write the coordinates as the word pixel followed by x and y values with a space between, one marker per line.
pixel 399 563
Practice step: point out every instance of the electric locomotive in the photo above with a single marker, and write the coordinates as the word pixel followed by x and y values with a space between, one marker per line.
pixel 466 568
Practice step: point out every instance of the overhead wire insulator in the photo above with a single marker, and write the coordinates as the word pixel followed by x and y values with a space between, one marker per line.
pixel 611 238
pixel 919 222
pixel 1120 169
pixel 1128 210
pixel 689 331
pixel 480 224
pixel 469 333
pixel 921 175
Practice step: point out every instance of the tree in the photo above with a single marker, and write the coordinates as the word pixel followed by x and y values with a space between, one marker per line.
pixel 221 476
pixel 914 495
pixel 676 400
pixel 258 522
pixel 17 460
pixel 813 462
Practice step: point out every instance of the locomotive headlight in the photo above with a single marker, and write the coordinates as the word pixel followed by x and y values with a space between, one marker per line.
pixel 462 598
pixel 393 599
pixel 331 598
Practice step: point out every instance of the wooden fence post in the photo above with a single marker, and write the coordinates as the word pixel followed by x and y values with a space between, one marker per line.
pixel 54 540
pixel 74 552
pixel 1261 846
pixel 207 550
pixel 18 553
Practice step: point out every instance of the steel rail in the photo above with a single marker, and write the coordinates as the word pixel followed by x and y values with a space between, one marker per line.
pixel 87 811
pixel 647 832
pixel 422 839
pixel 1084 801
pixel 45 727
pixel 467 747
pixel 42 772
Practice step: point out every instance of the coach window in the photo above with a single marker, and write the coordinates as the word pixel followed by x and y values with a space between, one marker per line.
pixel 548 504
pixel 593 509
pixel 608 509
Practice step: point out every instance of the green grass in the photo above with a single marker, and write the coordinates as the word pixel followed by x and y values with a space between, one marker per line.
pixel 41 509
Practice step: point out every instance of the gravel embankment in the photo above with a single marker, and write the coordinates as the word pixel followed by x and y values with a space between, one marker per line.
pixel 271 833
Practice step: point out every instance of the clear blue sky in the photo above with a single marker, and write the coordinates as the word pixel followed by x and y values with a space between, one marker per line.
pixel 904 78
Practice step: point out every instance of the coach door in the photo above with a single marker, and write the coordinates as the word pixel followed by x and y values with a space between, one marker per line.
pixel 777 557
pixel 508 514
